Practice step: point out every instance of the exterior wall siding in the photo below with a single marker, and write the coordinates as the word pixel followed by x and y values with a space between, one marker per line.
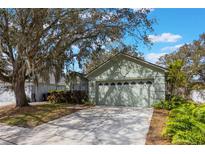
pixel 123 69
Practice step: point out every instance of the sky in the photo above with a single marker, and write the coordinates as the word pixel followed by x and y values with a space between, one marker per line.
pixel 174 28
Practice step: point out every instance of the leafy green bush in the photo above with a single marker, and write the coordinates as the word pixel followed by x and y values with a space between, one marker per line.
pixel 184 109
pixel 170 104
pixel 185 124
pixel 177 123
pixel 164 105
pixel 199 113
pixel 188 138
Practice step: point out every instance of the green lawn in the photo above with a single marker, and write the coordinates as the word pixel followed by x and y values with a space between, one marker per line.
pixel 35 115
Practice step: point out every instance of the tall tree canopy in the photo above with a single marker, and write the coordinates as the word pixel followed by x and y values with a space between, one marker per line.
pixel 101 55
pixel 36 42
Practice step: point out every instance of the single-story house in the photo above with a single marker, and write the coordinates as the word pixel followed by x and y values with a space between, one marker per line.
pixel 125 80
pixel 33 91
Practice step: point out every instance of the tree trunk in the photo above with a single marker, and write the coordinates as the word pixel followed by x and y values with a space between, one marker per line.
pixel 19 90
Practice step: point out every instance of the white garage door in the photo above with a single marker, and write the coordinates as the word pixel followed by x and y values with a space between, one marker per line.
pixel 127 93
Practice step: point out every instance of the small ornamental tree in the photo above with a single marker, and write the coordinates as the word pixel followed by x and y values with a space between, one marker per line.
pixel 176 77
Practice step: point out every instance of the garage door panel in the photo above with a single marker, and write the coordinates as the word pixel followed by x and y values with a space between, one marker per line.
pixel 124 95
pixel 110 95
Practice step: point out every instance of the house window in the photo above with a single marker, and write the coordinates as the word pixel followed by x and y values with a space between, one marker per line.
pixel 100 84
pixel 112 84
pixel 141 82
pixel 106 84
pixel 119 83
pixel 149 82
pixel 133 83
pixel 126 83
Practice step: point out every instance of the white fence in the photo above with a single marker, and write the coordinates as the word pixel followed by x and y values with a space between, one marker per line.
pixel 7 96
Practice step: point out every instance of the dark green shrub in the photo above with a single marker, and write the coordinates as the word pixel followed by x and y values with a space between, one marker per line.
pixel 172 103
pixel 158 105
pixel 165 105
pixel 178 99
pixel 76 97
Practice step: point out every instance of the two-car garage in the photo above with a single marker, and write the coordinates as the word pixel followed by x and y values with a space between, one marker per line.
pixel 125 93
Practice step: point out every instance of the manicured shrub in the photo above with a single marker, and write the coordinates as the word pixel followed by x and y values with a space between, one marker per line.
pixel 77 97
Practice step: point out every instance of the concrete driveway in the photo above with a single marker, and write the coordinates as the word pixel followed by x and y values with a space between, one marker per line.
pixel 97 125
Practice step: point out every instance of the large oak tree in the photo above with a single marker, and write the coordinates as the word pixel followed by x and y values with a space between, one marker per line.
pixel 36 42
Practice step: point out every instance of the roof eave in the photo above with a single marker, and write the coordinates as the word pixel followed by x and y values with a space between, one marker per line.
pixel 136 58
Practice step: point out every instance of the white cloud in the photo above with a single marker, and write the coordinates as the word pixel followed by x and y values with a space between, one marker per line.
pixel 172 48
pixel 153 57
pixel 165 37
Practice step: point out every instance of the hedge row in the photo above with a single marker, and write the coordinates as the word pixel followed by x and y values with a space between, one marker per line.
pixel 75 97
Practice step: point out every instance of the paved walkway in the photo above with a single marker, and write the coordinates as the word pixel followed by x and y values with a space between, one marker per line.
pixel 97 125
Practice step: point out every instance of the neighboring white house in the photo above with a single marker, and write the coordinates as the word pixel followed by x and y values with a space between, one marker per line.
pixel 125 80
pixel 34 92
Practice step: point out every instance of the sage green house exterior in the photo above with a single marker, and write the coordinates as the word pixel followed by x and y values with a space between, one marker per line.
pixel 124 80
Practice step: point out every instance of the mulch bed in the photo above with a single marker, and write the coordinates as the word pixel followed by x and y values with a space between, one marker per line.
pixel 154 136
